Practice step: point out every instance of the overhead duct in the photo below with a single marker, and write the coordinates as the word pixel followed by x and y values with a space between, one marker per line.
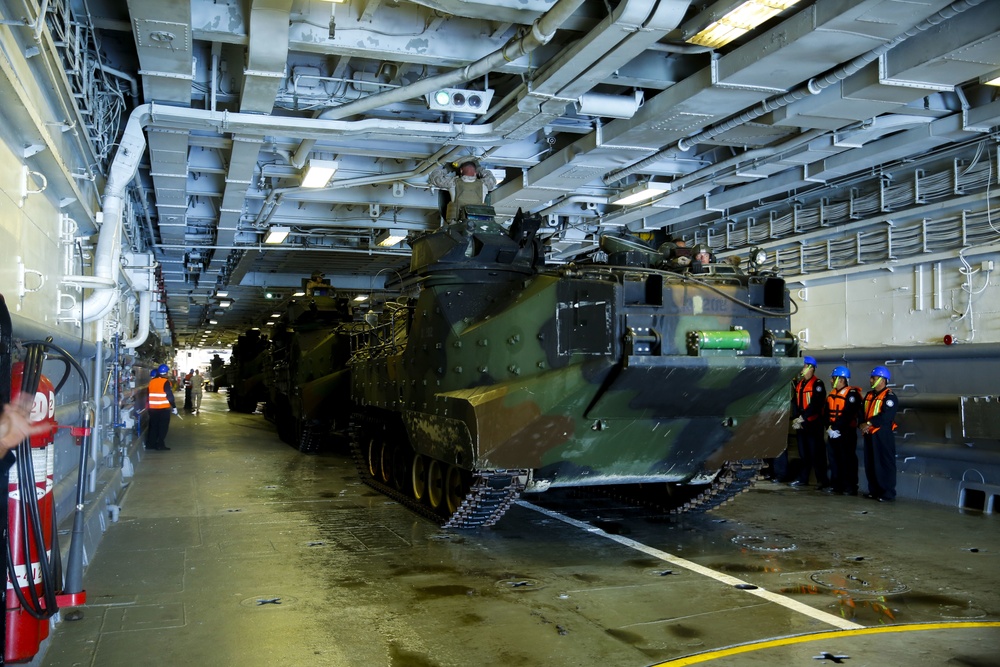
pixel 541 32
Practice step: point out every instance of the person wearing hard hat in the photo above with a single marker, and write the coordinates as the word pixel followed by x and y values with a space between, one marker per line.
pixel 843 408
pixel 879 428
pixel 160 405
pixel 808 405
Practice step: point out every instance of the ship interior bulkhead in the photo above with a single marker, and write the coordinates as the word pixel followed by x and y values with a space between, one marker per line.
pixel 174 174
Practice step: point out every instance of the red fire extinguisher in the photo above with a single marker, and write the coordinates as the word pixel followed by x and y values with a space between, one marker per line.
pixel 32 569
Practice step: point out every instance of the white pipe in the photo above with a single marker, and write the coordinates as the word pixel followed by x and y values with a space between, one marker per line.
pixel 918 293
pixel 938 289
pixel 108 252
pixel 140 336
pixel 542 30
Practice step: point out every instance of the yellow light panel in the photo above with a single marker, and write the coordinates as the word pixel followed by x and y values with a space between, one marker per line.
pixel 739 22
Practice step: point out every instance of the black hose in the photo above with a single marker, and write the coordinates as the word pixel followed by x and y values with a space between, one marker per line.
pixel 51 570
pixel 31 521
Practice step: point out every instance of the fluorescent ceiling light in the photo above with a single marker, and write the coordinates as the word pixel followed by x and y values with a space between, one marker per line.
pixel 361 297
pixel 739 21
pixel 276 234
pixel 225 304
pixel 221 293
pixel 298 293
pixel 318 173
pixel 389 237
pixel 640 192
pixel 991 78
pixel 275 315
pixel 213 321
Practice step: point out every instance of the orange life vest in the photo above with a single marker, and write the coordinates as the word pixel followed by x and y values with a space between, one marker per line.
pixel 803 396
pixel 873 406
pixel 158 394
pixel 836 402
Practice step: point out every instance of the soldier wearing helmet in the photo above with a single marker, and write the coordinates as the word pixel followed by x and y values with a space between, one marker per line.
pixel 808 406
pixel 843 408
pixel 467 182
pixel 701 257
pixel 879 427
pixel 160 405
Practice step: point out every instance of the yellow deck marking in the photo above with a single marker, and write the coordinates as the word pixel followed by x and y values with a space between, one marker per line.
pixel 822 636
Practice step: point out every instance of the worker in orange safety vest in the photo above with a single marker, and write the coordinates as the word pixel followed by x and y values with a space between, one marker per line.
pixel 808 406
pixel 160 406
pixel 880 439
pixel 843 407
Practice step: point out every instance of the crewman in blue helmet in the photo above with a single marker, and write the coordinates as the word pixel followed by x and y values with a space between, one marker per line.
pixel 879 427
pixel 843 408
pixel 160 405
pixel 808 406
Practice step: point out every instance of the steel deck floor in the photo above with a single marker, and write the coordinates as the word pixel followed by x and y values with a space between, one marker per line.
pixel 234 549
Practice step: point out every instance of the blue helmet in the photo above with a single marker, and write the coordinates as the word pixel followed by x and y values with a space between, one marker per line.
pixel 152 373
pixel 881 371
pixel 162 370
pixel 809 360
pixel 841 372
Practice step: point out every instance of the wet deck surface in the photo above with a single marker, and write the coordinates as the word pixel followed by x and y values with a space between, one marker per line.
pixel 234 549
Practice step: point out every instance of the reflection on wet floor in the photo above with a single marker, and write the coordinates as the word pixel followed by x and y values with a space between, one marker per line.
pixel 237 550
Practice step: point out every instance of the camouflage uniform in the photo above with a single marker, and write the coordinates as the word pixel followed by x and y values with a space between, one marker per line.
pixel 463 192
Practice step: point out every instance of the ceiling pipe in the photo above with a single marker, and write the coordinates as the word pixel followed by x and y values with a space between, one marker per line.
pixel 108 252
pixel 140 336
pixel 541 32
pixel 812 87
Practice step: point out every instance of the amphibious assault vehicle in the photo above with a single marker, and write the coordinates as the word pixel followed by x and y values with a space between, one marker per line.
pixel 245 373
pixel 505 376
pixel 308 390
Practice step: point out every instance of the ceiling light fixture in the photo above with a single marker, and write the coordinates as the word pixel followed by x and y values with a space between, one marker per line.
pixel 389 237
pixel 225 304
pixel 318 173
pixel 640 192
pixel 221 293
pixel 213 321
pixel 991 79
pixel 276 234
pixel 361 297
pixel 738 21
pixel 294 294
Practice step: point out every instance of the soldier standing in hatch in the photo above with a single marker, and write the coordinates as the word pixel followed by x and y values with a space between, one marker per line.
pixel 701 257
pixel 843 407
pixel 808 405
pixel 467 187
pixel 880 440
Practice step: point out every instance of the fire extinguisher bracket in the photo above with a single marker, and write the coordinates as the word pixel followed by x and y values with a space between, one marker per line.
pixel 71 599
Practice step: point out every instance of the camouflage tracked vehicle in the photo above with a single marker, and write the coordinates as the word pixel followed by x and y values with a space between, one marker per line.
pixel 245 375
pixel 307 380
pixel 502 377
pixel 217 374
